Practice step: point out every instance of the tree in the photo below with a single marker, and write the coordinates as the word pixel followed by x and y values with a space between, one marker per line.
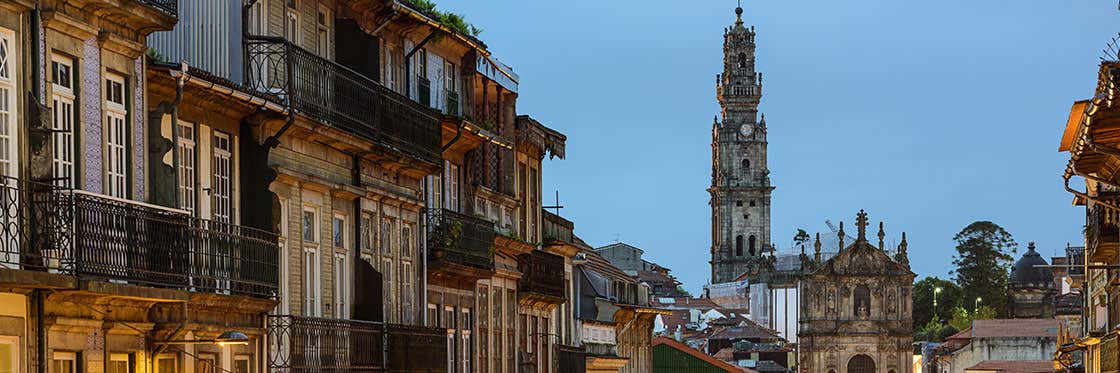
pixel 983 258
pixel 947 298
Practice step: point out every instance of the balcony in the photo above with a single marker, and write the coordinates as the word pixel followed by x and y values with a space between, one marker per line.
pixel 542 278
pixel 70 232
pixel 460 245
pixel 313 344
pixel 556 228
pixel 170 7
pixel 1102 233
pixel 343 98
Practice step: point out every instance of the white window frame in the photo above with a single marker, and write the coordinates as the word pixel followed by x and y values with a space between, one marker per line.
pixel 63 356
pixel 408 291
pixel 390 73
pixel 9 107
pixel 258 18
pixel 188 166
pixel 338 231
pixel 242 357
pixel 169 356
pixel 13 344
pixel 223 177
pixel 291 22
pixel 311 264
pixel 116 136
pixel 119 357
pixel 64 118
pixel 390 290
pixel 341 286
pixel 452 177
pixel 465 332
pixel 323 31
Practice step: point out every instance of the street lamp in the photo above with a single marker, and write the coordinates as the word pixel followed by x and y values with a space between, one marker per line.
pixel 935 291
pixel 976 305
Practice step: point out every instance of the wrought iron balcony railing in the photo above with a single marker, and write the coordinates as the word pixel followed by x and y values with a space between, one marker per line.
pixel 315 344
pixel 167 6
pixel 1102 231
pixel 338 96
pixel 72 232
pixel 541 276
pixel 556 228
pixel 460 239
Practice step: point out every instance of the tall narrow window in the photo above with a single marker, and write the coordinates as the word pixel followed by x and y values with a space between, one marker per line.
pixel 65 362
pixel 120 363
pixel 285 303
pixel 311 265
pixel 389 71
pixel 63 96
pixel 746 165
pixel 187 192
pixel 291 27
pixel 386 237
pixel 742 61
pixel 751 242
pixel 116 136
pixel 367 238
pixel 258 17
pixel 452 177
pixel 338 231
pixel 258 25
pixel 390 290
pixel 222 189
pixel 406 241
pixel 8 113
pixel 323 33
pixel 739 245
pixel 450 86
pixel 407 292
pixel 341 288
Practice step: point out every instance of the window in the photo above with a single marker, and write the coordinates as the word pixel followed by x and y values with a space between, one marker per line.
pixel 241 363
pixel 745 166
pixel 311 281
pixel 222 188
pixel 311 264
pixel 187 191
pixel 120 363
pixel 258 17
pixel 738 203
pixel 861 364
pixel 751 245
pixel 338 231
pixel 390 290
pixel 167 363
pixel 206 363
pixel 450 87
pixel 511 323
pixel 433 315
pixel 323 34
pixel 742 60
pixel 116 136
pixel 422 63
pixel 341 286
pixel 406 241
pixel 65 362
pixel 9 354
pixel 284 305
pixel 386 236
pixel 739 245
pixel 752 203
pixel 861 302
pixel 483 327
pixel 367 237
pixel 63 96
pixel 389 71
pixel 451 177
pixel 407 291
pixel 291 27
pixel 8 107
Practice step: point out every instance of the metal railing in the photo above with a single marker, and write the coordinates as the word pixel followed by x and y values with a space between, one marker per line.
pixel 167 6
pixel 540 274
pixel 299 344
pixel 338 96
pixel 460 239
pixel 72 232
pixel 556 228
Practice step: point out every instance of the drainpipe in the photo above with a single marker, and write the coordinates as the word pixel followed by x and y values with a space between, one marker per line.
pixel 1088 197
pixel 458 133
pixel 40 334
pixel 180 80
pixel 408 65
pixel 35 75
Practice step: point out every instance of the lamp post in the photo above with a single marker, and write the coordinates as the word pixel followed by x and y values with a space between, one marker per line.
pixel 976 305
pixel 935 291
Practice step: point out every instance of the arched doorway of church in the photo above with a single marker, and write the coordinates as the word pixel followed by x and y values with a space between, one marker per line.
pixel 861 364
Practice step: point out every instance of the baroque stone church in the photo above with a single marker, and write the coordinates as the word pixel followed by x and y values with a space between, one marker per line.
pixel 855 314
pixel 740 188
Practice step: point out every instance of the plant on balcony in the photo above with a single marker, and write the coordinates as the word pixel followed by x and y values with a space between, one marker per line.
pixel 448 19
pixel 488 125
pixel 454 233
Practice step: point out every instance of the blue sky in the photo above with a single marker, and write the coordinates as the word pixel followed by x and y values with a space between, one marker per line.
pixel 929 114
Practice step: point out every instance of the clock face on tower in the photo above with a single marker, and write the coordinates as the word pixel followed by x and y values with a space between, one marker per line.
pixel 746 129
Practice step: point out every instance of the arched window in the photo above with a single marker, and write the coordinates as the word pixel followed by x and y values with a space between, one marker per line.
pixel 861 301
pixel 742 60
pixel 861 364
pixel 750 245
pixel 746 166
pixel 739 245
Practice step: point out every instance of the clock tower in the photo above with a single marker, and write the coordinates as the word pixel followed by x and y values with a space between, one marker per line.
pixel 740 190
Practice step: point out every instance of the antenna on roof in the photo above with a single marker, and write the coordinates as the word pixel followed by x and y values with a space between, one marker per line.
pixel 555 206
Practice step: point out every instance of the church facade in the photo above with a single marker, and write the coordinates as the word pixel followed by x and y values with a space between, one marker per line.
pixel 740 184
pixel 855 315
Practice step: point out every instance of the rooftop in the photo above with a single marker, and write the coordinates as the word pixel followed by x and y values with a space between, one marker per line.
pixel 1008 366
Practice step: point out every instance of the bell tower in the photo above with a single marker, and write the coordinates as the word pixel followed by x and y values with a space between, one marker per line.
pixel 740 189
